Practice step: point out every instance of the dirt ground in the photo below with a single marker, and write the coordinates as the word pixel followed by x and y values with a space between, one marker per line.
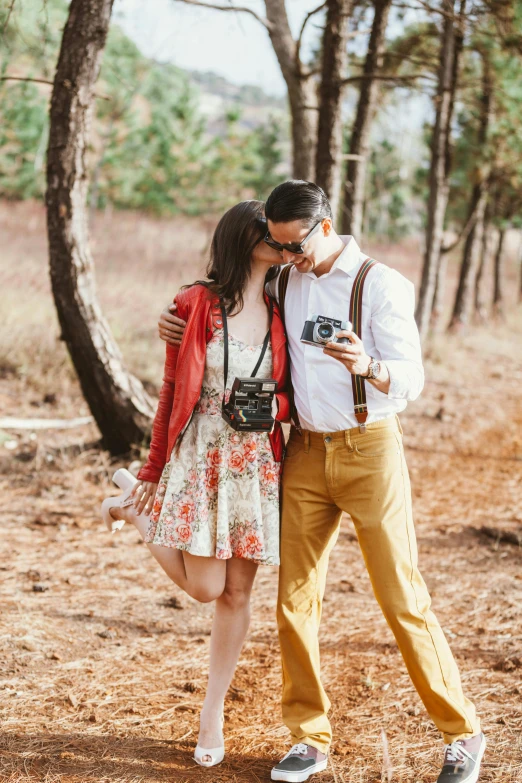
pixel 103 661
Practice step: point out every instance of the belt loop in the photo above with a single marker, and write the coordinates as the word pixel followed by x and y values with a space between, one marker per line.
pixel 348 438
pixel 306 436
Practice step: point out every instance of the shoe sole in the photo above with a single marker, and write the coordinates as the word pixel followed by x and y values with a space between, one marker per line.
pixel 124 479
pixel 299 777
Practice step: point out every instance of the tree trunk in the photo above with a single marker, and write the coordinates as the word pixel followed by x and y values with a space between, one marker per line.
pixel 470 258
pixel 498 277
pixel 302 95
pixel 118 402
pixel 439 294
pixel 440 166
pixel 329 136
pixel 355 180
pixel 486 252
pixel 520 267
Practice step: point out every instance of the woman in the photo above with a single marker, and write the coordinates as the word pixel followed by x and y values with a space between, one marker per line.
pixel 207 499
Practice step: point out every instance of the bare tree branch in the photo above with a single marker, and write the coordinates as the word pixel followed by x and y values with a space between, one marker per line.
pixel 240 9
pixel 43 81
pixel 422 5
pixel 385 78
pixel 463 234
pixel 24 79
pixel 7 18
pixel 300 39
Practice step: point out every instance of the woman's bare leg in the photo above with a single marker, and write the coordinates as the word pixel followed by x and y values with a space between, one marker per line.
pixel 229 628
pixel 203 578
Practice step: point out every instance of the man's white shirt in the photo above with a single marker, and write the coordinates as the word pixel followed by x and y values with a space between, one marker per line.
pixel 322 385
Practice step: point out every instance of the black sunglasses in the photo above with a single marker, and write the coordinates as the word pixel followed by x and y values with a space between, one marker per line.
pixel 292 247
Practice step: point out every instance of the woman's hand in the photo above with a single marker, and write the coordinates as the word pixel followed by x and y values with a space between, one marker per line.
pixel 144 493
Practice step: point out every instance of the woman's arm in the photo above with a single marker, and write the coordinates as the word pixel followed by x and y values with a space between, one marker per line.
pixel 283 406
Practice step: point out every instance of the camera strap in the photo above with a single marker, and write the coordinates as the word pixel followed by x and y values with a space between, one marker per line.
pixel 225 347
pixel 358 384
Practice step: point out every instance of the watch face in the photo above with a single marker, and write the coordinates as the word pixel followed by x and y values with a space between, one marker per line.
pixel 375 369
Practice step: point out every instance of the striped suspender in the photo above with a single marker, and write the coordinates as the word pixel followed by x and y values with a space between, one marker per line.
pixel 358 385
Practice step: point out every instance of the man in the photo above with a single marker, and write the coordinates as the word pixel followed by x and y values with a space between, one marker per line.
pixel 339 461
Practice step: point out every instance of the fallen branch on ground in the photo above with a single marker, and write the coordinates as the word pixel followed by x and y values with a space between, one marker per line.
pixel 44 424
pixel 507 536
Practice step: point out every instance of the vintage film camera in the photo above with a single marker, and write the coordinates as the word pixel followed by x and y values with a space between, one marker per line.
pixel 320 330
pixel 250 404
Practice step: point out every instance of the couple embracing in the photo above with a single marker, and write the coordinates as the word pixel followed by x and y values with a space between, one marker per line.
pixel 215 501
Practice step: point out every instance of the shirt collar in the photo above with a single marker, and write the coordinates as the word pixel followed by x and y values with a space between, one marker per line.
pixel 347 260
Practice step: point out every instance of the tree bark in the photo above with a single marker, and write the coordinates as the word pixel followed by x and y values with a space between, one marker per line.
pixel 520 267
pixel 302 95
pixel 451 46
pixel 117 400
pixel 470 259
pixel 464 298
pixel 498 277
pixel 486 252
pixel 355 179
pixel 333 66
pixel 439 296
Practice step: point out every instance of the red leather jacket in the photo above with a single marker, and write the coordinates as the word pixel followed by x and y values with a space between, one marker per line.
pixel 183 376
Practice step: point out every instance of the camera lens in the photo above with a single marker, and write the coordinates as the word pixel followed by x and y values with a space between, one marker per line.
pixel 325 332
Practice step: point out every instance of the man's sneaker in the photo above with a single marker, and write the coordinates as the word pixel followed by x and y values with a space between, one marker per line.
pixel 462 760
pixel 299 763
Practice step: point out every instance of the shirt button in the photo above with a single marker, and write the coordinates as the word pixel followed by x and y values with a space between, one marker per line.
pixel 327 439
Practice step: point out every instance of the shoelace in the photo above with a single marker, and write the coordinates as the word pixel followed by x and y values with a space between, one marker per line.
pixel 456 753
pixel 297 750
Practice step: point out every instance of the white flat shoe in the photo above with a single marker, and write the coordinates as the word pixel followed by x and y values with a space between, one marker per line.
pixel 216 754
pixel 125 481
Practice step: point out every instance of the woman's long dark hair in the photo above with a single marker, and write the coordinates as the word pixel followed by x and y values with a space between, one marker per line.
pixel 238 232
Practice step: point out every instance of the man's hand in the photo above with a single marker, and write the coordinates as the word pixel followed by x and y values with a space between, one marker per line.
pixel 351 354
pixel 170 327
pixel 357 361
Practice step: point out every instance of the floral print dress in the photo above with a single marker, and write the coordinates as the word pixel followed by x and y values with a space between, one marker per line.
pixel 218 495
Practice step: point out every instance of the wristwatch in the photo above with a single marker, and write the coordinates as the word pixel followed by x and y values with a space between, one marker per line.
pixel 374 369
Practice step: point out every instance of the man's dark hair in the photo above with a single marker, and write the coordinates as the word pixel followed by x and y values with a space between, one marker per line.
pixel 298 200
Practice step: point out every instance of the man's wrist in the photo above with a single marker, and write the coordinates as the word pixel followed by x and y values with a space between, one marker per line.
pixel 366 374
pixel 367 360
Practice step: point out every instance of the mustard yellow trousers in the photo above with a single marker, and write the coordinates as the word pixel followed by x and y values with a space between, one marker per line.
pixel 365 475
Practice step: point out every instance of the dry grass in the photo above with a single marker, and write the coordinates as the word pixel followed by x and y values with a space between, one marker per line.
pixel 103 673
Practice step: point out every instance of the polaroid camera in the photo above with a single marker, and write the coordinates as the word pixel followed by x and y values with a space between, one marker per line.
pixel 250 404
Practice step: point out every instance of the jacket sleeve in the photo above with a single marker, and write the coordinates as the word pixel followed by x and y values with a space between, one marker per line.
pixel 157 458
pixel 283 406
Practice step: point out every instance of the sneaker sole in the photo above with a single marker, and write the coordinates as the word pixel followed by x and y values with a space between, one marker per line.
pixel 299 777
